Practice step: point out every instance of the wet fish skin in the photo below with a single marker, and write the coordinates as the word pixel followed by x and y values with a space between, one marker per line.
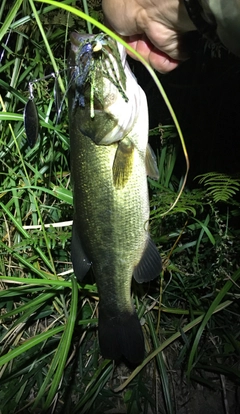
pixel 111 207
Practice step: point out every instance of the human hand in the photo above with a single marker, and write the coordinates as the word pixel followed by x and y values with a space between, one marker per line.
pixel 154 28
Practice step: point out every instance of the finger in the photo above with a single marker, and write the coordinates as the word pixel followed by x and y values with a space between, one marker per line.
pixel 159 60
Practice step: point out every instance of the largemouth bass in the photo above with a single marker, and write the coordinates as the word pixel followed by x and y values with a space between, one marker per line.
pixel 110 160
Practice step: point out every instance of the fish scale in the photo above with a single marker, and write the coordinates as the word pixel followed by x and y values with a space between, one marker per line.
pixel 108 214
pixel 111 204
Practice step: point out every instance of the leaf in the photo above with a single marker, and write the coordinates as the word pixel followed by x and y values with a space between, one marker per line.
pixel 220 187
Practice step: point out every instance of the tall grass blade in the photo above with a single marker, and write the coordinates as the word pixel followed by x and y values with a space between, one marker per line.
pixel 213 307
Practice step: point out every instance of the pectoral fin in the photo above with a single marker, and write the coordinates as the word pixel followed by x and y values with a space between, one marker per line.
pixel 123 163
pixel 81 264
pixel 150 264
pixel 151 164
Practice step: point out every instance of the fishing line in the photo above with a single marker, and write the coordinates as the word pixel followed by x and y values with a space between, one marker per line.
pixel 83 72
pixel 150 70
pixel 5 44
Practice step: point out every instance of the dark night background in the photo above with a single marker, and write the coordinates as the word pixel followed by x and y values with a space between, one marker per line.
pixel 205 95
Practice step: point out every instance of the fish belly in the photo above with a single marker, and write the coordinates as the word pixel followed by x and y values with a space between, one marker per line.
pixel 111 224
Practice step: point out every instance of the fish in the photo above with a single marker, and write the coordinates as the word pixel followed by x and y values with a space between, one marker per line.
pixel 110 160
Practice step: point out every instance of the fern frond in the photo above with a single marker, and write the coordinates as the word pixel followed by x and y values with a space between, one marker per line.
pixel 219 186
pixel 189 202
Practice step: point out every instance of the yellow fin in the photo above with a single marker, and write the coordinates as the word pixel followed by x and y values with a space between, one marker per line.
pixel 123 163
pixel 151 164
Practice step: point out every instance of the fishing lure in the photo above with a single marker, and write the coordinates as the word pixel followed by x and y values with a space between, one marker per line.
pixel 30 115
pixel 93 56
pixel 81 72
pixel 31 121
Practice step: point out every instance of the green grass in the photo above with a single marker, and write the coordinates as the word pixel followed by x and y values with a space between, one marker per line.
pixel 49 356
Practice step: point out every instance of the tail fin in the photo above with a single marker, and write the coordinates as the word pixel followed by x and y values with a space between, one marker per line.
pixel 121 336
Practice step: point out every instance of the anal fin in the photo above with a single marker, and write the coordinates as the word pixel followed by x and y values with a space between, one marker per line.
pixel 150 264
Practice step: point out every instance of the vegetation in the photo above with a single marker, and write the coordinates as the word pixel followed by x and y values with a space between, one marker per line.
pixel 49 356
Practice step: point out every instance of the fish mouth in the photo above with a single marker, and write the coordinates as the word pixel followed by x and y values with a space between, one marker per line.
pixel 80 38
pixel 101 81
pixel 96 58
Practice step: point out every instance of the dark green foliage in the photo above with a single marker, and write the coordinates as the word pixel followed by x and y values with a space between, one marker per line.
pixel 49 353
pixel 220 187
